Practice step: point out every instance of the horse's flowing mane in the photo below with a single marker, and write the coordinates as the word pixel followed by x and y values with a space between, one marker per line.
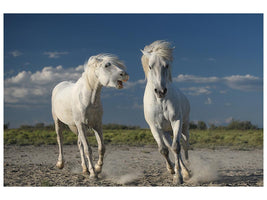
pixel 161 48
pixel 94 60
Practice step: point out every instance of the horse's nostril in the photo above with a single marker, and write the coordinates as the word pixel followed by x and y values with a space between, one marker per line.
pixel 121 74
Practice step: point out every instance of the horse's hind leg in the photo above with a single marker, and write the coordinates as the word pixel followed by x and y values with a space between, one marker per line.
pixel 185 139
pixel 58 128
pixel 185 143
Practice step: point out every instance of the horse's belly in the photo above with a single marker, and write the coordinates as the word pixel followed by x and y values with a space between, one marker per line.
pixel 64 113
pixel 62 106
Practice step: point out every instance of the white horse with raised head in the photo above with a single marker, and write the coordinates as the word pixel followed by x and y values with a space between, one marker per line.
pixel 166 109
pixel 78 105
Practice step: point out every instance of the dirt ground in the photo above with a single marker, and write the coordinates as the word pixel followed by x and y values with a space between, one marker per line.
pixel 130 166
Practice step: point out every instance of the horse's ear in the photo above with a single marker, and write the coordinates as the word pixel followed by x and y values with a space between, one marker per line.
pixel 145 53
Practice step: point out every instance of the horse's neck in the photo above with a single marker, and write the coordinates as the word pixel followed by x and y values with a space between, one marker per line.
pixel 92 89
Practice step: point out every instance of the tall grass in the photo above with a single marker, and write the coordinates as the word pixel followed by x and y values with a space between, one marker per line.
pixel 241 139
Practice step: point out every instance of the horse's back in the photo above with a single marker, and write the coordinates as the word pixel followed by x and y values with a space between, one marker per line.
pixel 61 87
pixel 61 102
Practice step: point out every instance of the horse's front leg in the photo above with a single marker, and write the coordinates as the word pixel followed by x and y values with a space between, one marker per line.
pixel 168 141
pixel 85 170
pixel 163 149
pixel 101 149
pixel 79 143
pixel 87 149
pixel 176 149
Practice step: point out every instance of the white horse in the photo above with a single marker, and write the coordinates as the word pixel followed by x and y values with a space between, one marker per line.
pixel 165 107
pixel 78 105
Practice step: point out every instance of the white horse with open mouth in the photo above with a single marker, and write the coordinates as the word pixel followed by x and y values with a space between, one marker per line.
pixel 165 107
pixel 78 105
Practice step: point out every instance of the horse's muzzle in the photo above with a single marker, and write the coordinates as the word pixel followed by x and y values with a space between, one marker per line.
pixel 125 77
pixel 161 93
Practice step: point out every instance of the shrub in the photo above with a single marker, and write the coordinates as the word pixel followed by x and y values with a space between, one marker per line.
pixel 241 125
pixel 201 125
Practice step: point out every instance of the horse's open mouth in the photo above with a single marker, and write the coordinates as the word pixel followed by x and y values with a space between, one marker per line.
pixel 119 84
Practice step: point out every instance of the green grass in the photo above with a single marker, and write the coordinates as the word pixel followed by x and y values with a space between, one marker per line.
pixel 241 139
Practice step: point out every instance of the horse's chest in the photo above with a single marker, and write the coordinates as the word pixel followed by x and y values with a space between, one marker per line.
pixel 160 115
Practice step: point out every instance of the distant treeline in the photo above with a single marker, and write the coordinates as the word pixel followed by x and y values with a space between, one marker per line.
pixel 52 127
pixel 200 125
pixel 233 125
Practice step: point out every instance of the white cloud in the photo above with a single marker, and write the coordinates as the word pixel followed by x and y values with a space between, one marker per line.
pixel 137 106
pixel 19 78
pixel 196 91
pixel 130 84
pixel 195 79
pixel 208 101
pixel 211 59
pixel 35 88
pixel 238 82
pixel 244 83
pixel 223 91
pixel 55 54
pixel 15 53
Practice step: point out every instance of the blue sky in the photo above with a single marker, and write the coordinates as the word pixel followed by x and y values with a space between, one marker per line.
pixel 218 62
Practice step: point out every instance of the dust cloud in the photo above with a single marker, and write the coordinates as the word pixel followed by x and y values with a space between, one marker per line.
pixel 121 169
pixel 202 169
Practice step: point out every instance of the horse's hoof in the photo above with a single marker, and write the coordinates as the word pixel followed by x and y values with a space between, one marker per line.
pixel 93 176
pixel 85 171
pixel 177 180
pixel 60 164
pixel 186 174
pixel 98 168
pixel 170 170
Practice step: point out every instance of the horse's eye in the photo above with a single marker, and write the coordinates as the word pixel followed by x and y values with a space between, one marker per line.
pixel 149 66
pixel 107 65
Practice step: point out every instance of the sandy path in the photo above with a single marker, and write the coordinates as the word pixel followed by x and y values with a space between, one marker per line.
pixel 130 166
